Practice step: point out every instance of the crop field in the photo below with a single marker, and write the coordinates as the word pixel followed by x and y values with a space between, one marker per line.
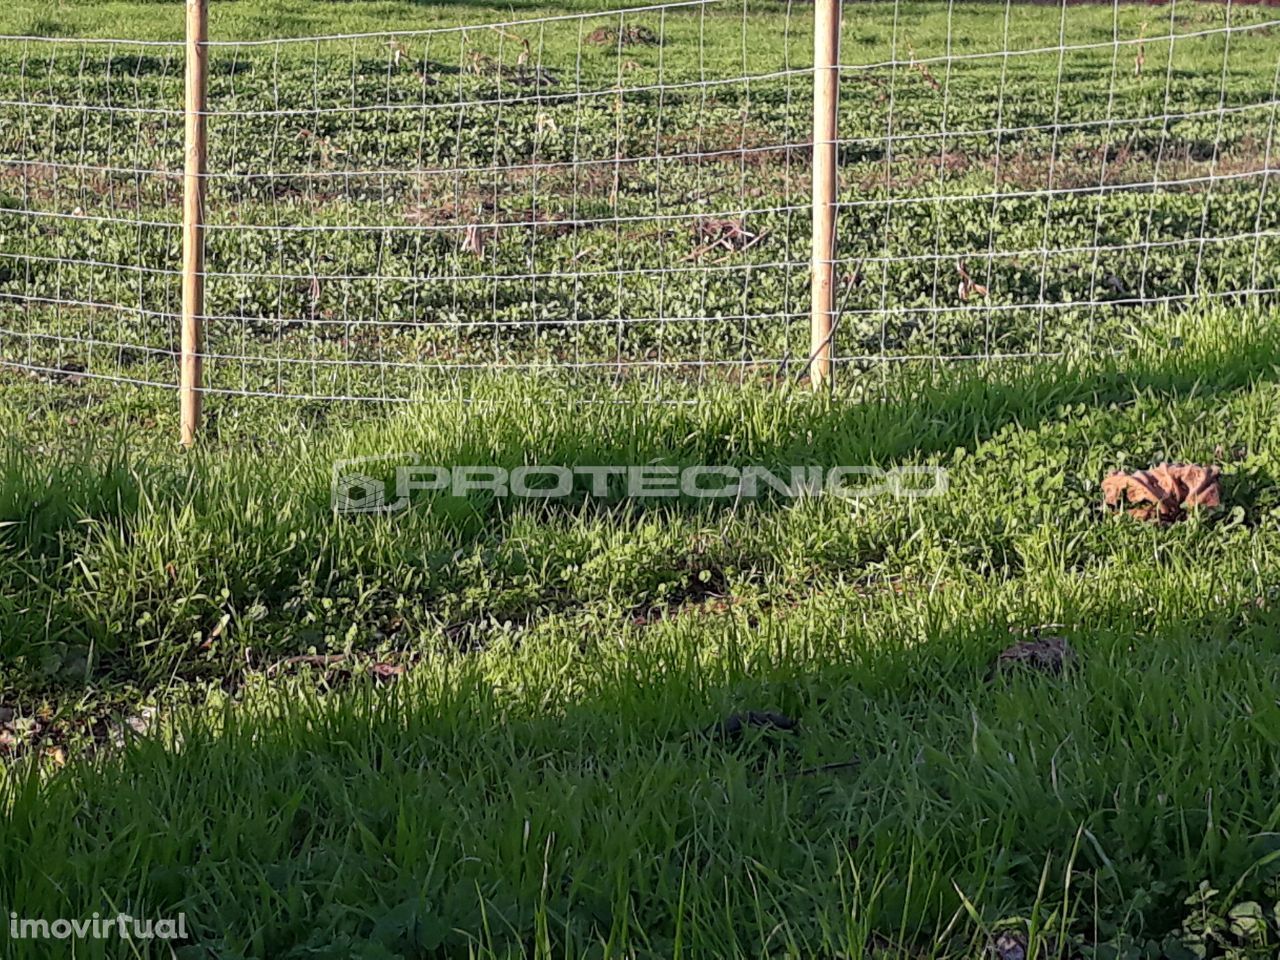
pixel 615 727
pixel 615 195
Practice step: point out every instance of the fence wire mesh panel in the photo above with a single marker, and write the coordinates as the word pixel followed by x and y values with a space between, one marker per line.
pixel 1056 180
pixel 90 208
pixel 624 196
pixel 590 194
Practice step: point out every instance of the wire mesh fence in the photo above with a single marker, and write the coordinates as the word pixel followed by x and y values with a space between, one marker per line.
pixel 627 195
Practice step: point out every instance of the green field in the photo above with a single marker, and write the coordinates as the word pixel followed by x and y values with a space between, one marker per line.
pixel 497 728
pixel 607 182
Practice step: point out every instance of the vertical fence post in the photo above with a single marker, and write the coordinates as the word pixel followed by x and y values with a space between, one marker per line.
pixel 826 96
pixel 193 191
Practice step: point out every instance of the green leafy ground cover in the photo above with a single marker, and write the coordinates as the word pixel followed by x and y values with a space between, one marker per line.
pixel 602 175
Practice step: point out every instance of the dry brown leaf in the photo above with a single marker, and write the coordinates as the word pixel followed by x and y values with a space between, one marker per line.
pixel 730 235
pixel 1046 654
pixel 1010 945
pixel 473 241
pixel 1165 492
pixel 923 70
pixel 634 35
pixel 968 286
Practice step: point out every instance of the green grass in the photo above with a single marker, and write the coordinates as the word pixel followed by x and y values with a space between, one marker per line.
pixel 539 781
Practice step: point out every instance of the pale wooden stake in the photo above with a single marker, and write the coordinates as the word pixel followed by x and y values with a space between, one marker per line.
pixel 193 191
pixel 826 95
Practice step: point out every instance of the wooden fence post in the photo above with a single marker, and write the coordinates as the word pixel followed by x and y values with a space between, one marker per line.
pixel 193 193
pixel 826 98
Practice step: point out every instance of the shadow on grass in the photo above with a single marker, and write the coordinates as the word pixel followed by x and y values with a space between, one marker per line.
pixel 460 811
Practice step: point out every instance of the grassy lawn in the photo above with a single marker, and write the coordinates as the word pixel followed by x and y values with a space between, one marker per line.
pixel 541 778
pixel 500 728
